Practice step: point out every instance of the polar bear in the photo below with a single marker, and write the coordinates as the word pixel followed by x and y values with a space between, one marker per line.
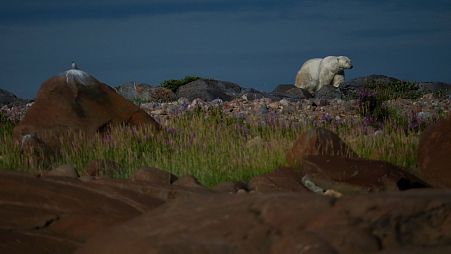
pixel 317 72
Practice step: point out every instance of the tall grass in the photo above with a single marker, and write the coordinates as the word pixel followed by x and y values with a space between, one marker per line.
pixel 210 146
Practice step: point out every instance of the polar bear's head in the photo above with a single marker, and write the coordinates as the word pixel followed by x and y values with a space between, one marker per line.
pixel 344 62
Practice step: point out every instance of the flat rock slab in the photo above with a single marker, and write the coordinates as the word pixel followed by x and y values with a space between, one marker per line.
pixel 57 214
pixel 392 222
pixel 349 175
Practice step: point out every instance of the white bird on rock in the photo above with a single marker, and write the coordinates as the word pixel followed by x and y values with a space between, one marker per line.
pixel 73 66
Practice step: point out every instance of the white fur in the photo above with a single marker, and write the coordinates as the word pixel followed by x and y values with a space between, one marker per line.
pixel 317 72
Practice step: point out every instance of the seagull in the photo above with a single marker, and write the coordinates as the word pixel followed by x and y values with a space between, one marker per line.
pixel 73 66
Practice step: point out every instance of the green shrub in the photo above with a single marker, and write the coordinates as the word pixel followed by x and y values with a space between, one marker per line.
pixel 174 84
pixel 395 90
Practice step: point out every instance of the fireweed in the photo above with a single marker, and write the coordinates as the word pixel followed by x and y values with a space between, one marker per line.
pixel 217 148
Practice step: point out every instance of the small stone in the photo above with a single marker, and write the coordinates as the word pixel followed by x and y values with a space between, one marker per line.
pixel 284 102
pixel 158 112
pixel 217 102
pixel 263 109
pixel 102 168
pixel 63 170
pixel 333 193
pixel 153 175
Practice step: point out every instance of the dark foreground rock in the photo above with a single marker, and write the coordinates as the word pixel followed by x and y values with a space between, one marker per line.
pixel 57 214
pixel 279 180
pixel 348 175
pixel 434 154
pixel 418 221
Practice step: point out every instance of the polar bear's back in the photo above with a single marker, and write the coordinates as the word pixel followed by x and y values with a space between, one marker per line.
pixel 308 76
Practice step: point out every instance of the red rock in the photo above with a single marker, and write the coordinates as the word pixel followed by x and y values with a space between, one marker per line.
pixel 153 175
pixel 102 168
pixel 285 223
pixel 57 214
pixel 318 141
pixel 434 154
pixel 188 181
pixel 279 180
pixel 353 175
pixel 77 104
pixel 230 187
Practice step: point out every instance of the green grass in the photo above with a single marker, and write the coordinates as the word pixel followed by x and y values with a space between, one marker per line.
pixel 209 146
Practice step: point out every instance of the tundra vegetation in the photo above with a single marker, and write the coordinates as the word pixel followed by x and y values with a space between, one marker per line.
pixel 216 148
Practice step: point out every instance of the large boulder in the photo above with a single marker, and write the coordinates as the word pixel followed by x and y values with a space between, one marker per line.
pixel 318 141
pixel 328 92
pixel 370 79
pixel 394 222
pixel 7 98
pixel 135 90
pixel 139 92
pixel 76 101
pixel 250 94
pixel 289 91
pixel 349 175
pixel 434 154
pixel 209 89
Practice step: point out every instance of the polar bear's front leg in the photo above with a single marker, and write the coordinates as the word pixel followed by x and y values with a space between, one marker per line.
pixel 325 78
pixel 339 79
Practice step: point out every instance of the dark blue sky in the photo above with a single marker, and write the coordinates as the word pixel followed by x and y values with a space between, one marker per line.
pixel 257 43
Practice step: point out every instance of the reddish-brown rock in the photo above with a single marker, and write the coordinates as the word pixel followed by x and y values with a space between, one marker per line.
pixel 286 223
pixel 188 181
pixel 230 187
pixel 63 170
pixel 279 180
pixel 77 102
pixel 353 175
pixel 51 214
pixel 434 154
pixel 107 168
pixel 318 141
pixel 153 175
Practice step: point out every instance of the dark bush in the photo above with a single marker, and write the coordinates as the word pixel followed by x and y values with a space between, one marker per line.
pixel 394 90
pixel 174 84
